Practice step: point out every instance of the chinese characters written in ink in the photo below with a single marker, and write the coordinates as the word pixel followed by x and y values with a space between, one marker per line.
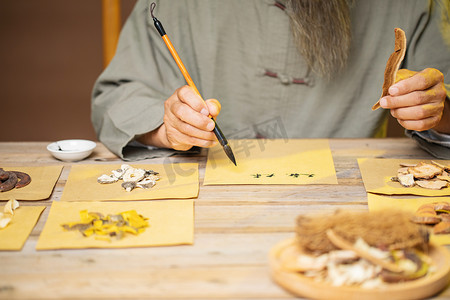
pixel 294 175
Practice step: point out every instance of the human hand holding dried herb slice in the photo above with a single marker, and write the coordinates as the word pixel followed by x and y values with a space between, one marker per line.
pixel 416 99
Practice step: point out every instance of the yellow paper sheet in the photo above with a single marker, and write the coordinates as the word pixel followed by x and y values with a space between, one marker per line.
pixel 377 173
pixel 171 222
pixel 306 161
pixel 378 202
pixel 43 180
pixel 177 181
pixel 13 236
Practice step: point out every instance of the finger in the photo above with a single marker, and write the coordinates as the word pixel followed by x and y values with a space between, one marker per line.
pixel 181 141
pixel 419 112
pixel 434 96
pixel 187 129
pixel 187 95
pixel 214 107
pixel 188 115
pixel 419 125
pixel 418 82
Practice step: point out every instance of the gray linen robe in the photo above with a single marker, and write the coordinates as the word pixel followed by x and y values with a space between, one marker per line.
pixel 242 53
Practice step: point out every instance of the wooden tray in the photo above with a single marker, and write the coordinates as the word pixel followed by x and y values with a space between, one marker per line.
pixel 303 286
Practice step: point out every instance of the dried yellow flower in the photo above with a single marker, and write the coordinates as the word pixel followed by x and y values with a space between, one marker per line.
pixel 106 227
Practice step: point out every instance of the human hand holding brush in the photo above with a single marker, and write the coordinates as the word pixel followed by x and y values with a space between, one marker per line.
pixel 187 122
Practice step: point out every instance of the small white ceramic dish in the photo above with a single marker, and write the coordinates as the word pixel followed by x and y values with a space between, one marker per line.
pixel 71 150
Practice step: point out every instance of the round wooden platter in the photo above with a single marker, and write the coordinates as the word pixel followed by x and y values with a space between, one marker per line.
pixel 303 286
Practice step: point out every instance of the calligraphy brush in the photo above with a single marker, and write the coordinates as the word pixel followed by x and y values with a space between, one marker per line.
pixel 220 136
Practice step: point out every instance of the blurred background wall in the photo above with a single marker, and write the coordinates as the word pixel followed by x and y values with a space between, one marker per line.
pixel 50 56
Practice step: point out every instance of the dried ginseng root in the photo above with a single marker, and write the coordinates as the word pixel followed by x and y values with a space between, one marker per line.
pixel 8 212
pixel 110 226
pixel 433 176
pixel 436 215
pixel 393 64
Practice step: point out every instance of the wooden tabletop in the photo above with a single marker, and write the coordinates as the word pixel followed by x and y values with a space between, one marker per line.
pixel 235 227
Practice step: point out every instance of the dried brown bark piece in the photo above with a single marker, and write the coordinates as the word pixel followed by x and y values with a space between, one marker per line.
pixel 393 64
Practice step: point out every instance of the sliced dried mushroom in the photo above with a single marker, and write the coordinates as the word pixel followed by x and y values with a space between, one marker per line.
pixel 129 185
pixel 133 174
pixel 146 183
pixel 132 177
pixel 105 179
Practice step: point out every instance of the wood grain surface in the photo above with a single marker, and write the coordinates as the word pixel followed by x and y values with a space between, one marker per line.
pixel 235 228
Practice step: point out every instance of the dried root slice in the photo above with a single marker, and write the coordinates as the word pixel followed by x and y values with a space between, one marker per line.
pixel 407 165
pixel 442 228
pixel 445 168
pixel 406 180
pixel 425 170
pixel 11 206
pixel 443 177
pixel 7 216
pixel 4 221
pixel 432 184
pixel 436 214
pixel 426 214
pixel 393 63
pixel 343 244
